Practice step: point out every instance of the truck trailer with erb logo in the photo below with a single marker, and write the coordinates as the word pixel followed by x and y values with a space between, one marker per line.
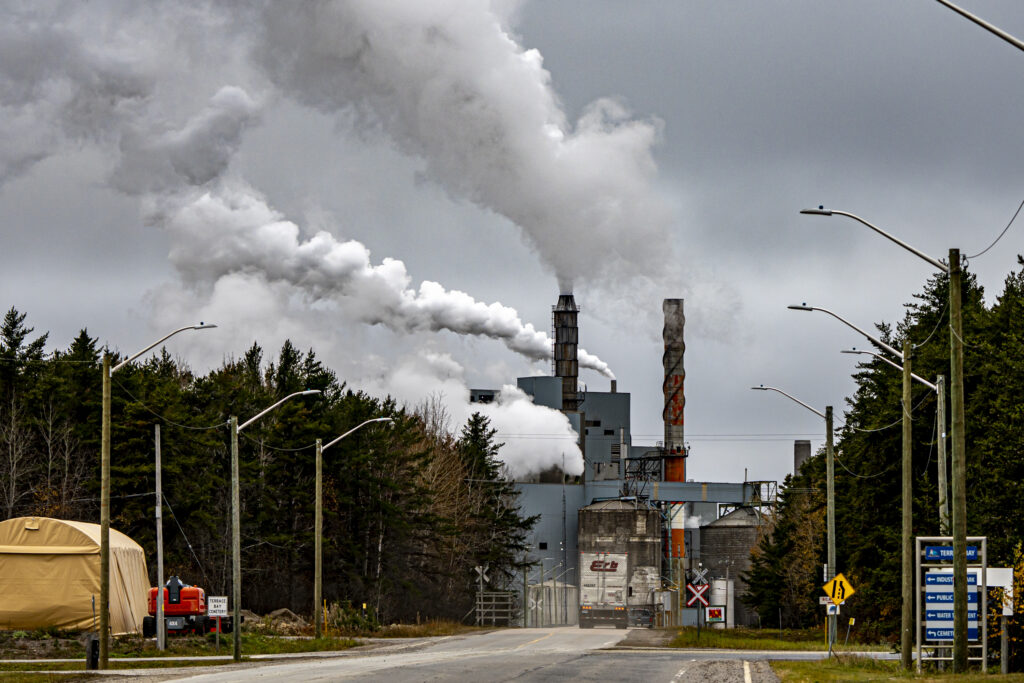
pixel 603 590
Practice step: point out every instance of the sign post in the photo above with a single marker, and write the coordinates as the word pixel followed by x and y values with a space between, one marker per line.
pixel 936 585
pixel 217 606
pixel 837 591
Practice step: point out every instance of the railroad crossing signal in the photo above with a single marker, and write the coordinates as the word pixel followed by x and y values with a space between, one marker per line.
pixel 697 594
pixel 700 576
pixel 838 589
pixel 482 573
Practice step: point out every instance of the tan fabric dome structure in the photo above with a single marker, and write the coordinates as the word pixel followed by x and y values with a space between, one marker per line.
pixel 50 572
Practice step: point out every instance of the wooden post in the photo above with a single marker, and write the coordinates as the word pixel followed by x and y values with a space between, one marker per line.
pixel 831 512
pixel 236 545
pixel 161 627
pixel 940 383
pixel 907 565
pixel 318 525
pixel 104 633
pixel 956 399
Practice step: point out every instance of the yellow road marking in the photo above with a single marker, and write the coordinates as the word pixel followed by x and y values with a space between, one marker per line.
pixel 536 640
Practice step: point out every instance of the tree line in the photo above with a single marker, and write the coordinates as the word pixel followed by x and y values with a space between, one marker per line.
pixel 785 577
pixel 410 507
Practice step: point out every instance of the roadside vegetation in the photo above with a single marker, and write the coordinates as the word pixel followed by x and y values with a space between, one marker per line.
pixel 852 669
pixel 784 581
pixel 408 510
pixel 764 639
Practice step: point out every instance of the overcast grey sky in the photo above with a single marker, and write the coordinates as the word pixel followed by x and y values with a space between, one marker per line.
pixel 159 165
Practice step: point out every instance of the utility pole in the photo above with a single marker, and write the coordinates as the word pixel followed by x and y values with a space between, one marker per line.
pixel 161 627
pixel 236 547
pixel 831 510
pixel 907 619
pixel 956 391
pixel 318 530
pixel 105 516
pixel 940 391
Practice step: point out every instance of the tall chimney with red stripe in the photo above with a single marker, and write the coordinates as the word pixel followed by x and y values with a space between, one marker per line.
pixel 672 389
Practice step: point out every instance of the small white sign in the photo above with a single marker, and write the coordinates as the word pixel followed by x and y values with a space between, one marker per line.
pixel 833 609
pixel 824 600
pixel 217 605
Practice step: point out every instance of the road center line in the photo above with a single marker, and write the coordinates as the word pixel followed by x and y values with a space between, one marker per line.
pixel 746 672
pixel 536 640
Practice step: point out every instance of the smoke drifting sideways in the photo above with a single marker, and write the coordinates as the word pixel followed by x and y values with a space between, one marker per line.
pixel 234 231
pixel 535 438
pixel 460 93
pixel 447 82
pixel 56 91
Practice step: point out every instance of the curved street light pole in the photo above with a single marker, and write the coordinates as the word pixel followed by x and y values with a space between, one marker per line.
pixel 906 555
pixel 876 340
pixel 956 395
pixel 319 525
pixel 922 380
pixel 984 24
pixel 830 494
pixel 104 619
pixel 236 525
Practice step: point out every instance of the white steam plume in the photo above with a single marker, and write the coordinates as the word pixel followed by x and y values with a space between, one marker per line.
pixel 535 437
pixel 448 83
pixel 235 231
pixel 56 90
pixel 230 228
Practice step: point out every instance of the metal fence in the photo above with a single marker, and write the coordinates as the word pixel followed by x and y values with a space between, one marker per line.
pixel 552 604
pixel 497 608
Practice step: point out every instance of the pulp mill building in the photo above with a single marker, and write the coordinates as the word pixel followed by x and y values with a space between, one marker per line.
pixel 648 477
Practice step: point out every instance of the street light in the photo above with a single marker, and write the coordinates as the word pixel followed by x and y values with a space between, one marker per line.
pixel 105 487
pixel 830 493
pixel 879 342
pixel 236 527
pixel 984 24
pixel 956 396
pixel 319 524
pixel 899 367
pixel 907 559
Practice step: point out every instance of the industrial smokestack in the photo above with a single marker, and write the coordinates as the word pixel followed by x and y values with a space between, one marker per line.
pixel 565 321
pixel 801 452
pixel 672 389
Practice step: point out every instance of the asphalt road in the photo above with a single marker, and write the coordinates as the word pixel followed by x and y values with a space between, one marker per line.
pixel 539 654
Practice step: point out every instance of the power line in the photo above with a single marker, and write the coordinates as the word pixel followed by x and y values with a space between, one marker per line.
pixel 1015 214
pixel 161 417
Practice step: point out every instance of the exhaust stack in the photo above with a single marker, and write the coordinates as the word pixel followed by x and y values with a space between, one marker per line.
pixel 672 389
pixel 565 320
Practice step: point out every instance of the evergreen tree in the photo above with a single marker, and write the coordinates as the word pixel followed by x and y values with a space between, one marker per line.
pixel 500 529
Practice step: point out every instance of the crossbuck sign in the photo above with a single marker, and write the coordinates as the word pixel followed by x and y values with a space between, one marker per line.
pixel 697 594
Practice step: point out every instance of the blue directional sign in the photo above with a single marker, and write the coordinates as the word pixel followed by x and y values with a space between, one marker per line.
pixel 947 633
pixel 933 553
pixel 938 604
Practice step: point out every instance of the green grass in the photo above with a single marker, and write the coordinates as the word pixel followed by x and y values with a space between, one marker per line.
pixel 252 644
pixel 43 678
pixel 761 639
pixel 114 664
pixel 854 669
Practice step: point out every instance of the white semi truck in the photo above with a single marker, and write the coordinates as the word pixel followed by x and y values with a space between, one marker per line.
pixel 603 590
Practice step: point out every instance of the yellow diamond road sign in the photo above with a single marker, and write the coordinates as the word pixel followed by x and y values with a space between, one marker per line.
pixel 838 589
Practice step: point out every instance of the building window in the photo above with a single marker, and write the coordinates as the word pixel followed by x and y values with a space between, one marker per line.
pixel 609 432
pixel 542 545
